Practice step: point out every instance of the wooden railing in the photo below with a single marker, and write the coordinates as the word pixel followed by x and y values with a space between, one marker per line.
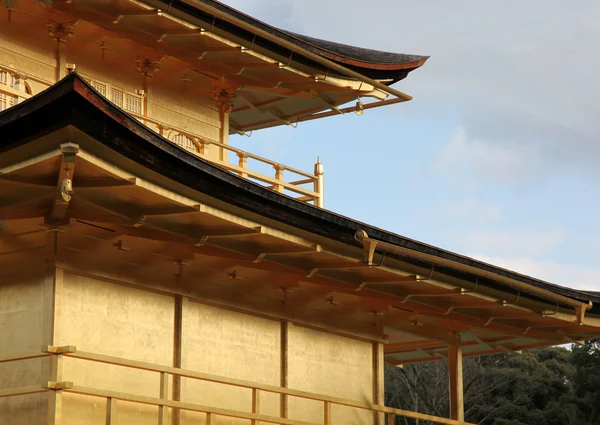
pixel 112 397
pixel 296 187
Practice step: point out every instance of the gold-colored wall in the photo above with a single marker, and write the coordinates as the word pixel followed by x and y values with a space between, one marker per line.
pixel 22 311
pixel 135 323
pixel 169 100
pixel 323 363
pixel 231 344
pixel 115 320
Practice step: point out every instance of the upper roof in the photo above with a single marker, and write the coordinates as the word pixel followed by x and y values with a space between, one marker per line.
pixel 270 77
pixel 371 63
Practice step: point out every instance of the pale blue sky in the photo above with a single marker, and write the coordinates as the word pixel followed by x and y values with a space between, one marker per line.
pixel 497 155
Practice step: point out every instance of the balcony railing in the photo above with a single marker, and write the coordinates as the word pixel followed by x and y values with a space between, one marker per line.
pixel 303 186
pixel 164 402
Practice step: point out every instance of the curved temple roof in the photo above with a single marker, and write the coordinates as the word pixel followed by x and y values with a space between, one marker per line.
pixel 371 63
pixel 72 103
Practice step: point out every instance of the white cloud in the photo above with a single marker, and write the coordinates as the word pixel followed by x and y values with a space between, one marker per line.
pixel 469 157
pixel 569 275
pixel 520 78
pixel 473 210
pixel 530 244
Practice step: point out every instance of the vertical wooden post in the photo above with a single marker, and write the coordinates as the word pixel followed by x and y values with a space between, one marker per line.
pixel 61 59
pixel 327 413
pixel 225 108
pixel 455 369
pixel 55 396
pixel 279 177
pixel 243 162
pixel 284 368
pixel 146 98
pixel 52 366
pixel 255 404
pixel 378 384
pixel 177 354
pixel 164 390
pixel 111 411
pixel 210 419
pixel 319 185
pixel 224 100
pixel 391 419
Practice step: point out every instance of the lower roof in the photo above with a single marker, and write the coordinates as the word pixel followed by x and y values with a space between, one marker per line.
pixel 72 102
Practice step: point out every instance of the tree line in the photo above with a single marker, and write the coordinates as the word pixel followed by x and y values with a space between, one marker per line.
pixel 548 386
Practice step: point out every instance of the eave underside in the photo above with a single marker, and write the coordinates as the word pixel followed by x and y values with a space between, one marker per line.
pixel 128 218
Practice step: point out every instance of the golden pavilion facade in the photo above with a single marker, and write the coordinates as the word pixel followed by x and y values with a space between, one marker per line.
pixel 149 274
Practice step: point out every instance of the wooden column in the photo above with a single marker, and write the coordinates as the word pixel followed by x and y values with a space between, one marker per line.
pixel 224 110
pixel 455 369
pixel 177 346
pixel 61 32
pixel 284 368
pixel 61 59
pixel 164 389
pixel 147 99
pixel 378 383
pixel 52 366
pixel 224 100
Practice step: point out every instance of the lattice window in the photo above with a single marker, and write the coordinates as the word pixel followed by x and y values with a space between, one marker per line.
pixel 133 103
pixel 186 142
pixel 128 101
pixel 100 87
pixel 7 78
pixel 6 101
pixel 116 97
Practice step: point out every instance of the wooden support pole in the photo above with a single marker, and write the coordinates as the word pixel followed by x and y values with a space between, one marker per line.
pixel 455 369
pixel 279 178
pixel 55 395
pixel 378 383
pixel 327 413
pixel 284 368
pixel 255 404
pixel 177 345
pixel 224 133
pixel 164 390
pixel 319 185
pixel 61 59
pixel 210 419
pixel 52 367
pixel 111 411
pixel 243 163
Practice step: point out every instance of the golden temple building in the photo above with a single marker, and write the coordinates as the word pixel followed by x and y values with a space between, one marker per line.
pixel 149 274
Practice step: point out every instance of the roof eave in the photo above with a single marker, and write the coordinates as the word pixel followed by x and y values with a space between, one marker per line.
pixel 78 100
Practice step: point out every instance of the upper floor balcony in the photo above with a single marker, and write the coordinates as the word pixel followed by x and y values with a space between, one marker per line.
pixel 16 86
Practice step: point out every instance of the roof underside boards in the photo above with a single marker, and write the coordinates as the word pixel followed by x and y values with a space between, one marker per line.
pixel 142 206
pixel 273 85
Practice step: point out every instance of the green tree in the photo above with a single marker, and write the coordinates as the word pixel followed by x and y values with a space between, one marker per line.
pixel 586 361
pixel 548 386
